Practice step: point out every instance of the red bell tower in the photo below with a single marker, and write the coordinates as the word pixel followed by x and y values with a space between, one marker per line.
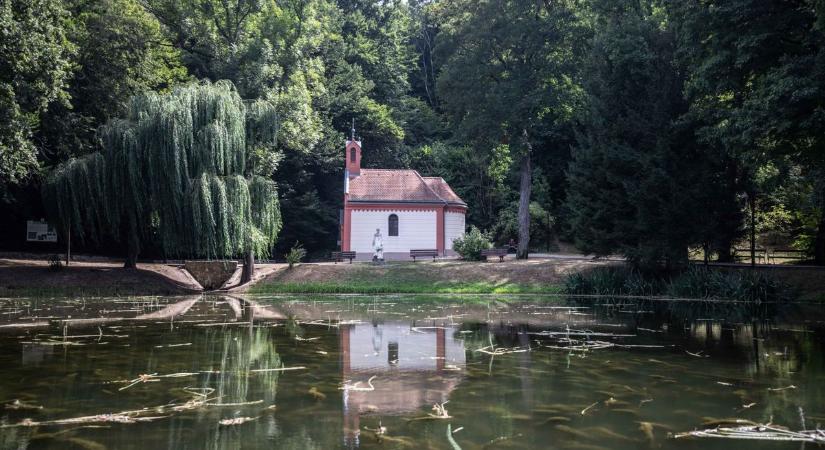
pixel 353 155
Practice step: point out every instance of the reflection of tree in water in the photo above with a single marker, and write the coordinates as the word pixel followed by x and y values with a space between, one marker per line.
pixel 241 351
pixel 235 353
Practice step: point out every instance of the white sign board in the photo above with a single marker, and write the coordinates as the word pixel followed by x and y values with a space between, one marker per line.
pixel 40 231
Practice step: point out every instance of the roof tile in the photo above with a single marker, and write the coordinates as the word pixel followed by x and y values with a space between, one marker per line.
pixel 376 185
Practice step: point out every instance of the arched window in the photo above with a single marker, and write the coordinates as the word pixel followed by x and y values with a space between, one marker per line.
pixel 352 154
pixel 393 225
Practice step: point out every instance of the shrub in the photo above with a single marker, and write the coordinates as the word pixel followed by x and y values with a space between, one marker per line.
pixel 55 263
pixel 295 255
pixel 470 245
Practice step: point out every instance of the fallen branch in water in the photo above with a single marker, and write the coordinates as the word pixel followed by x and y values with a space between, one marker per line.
pixel 584 411
pixel 782 388
pixel 146 378
pixel 757 432
pixel 279 369
pixel 440 411
pixel 450 438
pixel 501 351
pixel 256 402
pixel 236 421
pixel 17 405
pixel 123 417
pixel 200 399
pixel 356 386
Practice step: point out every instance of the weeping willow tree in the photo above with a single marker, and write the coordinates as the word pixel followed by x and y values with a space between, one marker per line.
pixel 175 171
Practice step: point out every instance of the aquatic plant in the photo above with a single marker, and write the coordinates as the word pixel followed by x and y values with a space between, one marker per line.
pixel 174 171
pixel 694 282
pixel 746 285
pixel 612 281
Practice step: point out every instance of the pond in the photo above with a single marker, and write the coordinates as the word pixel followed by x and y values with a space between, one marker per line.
pixel 468 372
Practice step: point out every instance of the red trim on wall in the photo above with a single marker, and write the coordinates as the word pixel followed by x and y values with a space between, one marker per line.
pixel 345 240
pixel 457 209
pixel 439 230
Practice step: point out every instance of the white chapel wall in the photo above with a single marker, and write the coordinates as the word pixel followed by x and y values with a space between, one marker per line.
pixel 416 230
pixel 453 228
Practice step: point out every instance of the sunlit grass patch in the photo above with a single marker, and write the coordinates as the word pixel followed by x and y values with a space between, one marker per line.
pixel 384 287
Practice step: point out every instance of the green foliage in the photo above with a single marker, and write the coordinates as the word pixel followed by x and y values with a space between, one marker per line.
pixel 754 82
pixel 673 110
pixel 695 282
pixel 295 255
pixel 174 171
pixel 35 57
pixel 470 245
pixel 636 179
pixel 541 226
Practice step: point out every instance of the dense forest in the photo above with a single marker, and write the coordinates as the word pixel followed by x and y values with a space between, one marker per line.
pixel 655 129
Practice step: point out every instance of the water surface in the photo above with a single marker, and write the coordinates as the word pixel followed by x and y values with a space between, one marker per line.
pixel 366 371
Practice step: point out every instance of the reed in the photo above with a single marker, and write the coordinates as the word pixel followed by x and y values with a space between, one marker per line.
pixel 694 282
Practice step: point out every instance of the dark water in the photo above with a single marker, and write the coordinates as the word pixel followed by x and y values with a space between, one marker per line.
pixel 366 372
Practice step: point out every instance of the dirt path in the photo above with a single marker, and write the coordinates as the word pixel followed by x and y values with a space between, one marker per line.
pixel 29 277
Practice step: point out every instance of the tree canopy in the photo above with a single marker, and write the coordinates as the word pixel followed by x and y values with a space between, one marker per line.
pixel 653 129
pixel 175 170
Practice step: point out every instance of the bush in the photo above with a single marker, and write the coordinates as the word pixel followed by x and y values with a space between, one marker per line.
pixel 295 255
pixel 470 245
pixel 55 264
pixel 695 282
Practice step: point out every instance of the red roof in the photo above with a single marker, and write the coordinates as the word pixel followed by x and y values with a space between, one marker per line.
pixel 380 185
pixel 442 189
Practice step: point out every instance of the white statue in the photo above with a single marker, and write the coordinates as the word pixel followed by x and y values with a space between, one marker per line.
pixel 378 245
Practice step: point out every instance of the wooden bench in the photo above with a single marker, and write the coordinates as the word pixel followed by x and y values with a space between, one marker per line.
pixel 423 253
pixel 341 256
pixel 500 252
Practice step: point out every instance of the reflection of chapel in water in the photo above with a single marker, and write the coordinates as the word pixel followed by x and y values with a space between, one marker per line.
pixel 415 367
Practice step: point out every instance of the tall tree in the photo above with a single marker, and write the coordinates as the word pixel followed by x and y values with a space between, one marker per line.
pixel 636 178
pixel 121 52
pixel 35 62
pixel 509 79
pixel 175 170
pixel 755 82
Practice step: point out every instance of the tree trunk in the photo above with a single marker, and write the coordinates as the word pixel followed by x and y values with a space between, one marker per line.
pixel 131 255
pixel 524 200
pixel 248 267
pixel 69 245
pixel 132 248
pixel 819 244
pixel 724 253
pixel 752 203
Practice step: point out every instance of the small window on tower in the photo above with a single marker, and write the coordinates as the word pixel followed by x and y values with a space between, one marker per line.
pixel 352 154
pixel 393 225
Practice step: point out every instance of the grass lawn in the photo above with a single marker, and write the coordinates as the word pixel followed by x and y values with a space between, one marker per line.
pixel 381 287
pixel 442 277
